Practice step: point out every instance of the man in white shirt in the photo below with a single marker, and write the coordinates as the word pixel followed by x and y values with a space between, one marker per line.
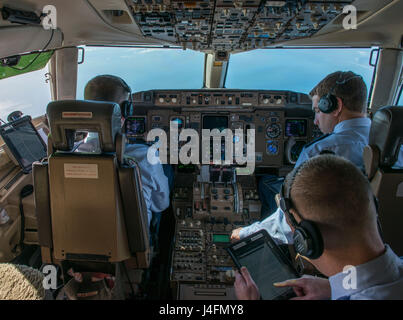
pixel 154 181
pixel 333 197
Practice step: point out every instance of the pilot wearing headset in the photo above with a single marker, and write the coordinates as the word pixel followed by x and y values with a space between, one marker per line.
pixel 330 207
pixel 155 180
pixel 339 102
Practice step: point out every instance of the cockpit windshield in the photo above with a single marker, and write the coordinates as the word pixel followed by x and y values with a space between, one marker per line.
pixel 270 69
pixel 149 68
pixel 143 68
pixel 294 69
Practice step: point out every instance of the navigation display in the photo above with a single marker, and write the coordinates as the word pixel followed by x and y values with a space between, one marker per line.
pixel 215 122
pixel 24 142
pixel 135 126
pixel 295 127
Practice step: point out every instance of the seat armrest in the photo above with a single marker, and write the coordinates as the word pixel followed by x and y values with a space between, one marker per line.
pixel 134 208
pixel 42 203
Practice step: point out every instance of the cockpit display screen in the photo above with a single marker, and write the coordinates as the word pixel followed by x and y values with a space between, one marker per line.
pixel 221 238
pixel 295 127
pixel 135 126
pixel 215 122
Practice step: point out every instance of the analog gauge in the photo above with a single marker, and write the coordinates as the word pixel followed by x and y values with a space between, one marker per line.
pixel 272 148
pixel 273 130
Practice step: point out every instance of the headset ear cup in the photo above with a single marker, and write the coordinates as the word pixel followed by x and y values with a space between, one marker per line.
pixel 130 108
pixel 300 243
pixel 308 240
pixel 324 104
pixel 127 108
pixel 123 107
pixel 327 103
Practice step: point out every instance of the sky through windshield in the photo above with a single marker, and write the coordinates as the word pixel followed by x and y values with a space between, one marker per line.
pixel 146 69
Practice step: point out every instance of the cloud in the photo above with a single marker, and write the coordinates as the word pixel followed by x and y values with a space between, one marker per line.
pixel 28 93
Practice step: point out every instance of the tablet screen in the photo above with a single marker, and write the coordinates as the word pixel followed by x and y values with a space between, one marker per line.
pixel 265 264
pixel 24 142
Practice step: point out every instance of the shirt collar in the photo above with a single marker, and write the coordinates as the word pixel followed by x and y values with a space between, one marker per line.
pixel 383 269
pixel 351 123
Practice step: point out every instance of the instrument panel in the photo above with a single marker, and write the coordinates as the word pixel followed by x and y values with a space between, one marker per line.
pixel 232 25
pixel 282 120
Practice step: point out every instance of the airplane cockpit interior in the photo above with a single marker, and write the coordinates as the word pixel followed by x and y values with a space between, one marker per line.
pixel 83 213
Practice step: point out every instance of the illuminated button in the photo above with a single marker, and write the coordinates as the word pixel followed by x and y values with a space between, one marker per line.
pixel 174 100
pixel 161 100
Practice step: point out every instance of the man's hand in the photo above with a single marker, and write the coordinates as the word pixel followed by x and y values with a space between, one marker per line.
pixel 308 288
pixel 235 234
pixel 245 287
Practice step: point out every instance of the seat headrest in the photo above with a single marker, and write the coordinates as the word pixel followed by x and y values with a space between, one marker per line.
pixel 387 134
pixel 68 116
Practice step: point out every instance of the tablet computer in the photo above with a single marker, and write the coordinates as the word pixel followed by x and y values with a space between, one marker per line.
pixel 266 264
pixel 23 142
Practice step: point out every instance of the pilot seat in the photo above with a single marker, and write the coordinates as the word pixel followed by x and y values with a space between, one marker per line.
pixel 385 139
pixel 90 208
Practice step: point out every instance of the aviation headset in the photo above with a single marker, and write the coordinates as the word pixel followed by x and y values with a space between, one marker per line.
pixel 127 105
pixel 308 240
pixel 328 102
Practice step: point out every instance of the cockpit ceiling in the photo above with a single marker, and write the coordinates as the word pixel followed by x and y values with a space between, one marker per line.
pixel 219 25
pixel 223 25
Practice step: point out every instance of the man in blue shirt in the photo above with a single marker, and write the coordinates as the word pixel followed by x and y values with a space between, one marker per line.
pixel 346 130
pixel 332 194
pixel 155 181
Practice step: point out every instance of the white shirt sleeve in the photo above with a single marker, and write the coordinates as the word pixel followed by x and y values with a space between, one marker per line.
pixel 276 225
pixel 153 179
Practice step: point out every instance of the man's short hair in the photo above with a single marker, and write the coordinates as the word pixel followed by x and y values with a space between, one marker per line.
pixel 333 192
pixel 106 88
pixel 353 93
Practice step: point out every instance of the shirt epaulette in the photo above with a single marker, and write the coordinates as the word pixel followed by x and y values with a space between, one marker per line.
pixel 317 140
